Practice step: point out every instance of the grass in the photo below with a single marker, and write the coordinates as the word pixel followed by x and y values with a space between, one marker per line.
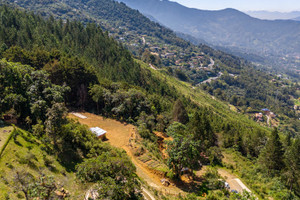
pixel 262 186
pixel 297 102
pixel 5 135
pixel 202 98
pixel 25 152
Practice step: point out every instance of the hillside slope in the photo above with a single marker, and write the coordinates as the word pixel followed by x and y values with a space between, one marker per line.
pixel 160 47
pixel 228 28
pixel 53 64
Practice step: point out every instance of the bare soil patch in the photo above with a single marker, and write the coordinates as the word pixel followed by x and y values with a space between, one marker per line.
pixel 120 135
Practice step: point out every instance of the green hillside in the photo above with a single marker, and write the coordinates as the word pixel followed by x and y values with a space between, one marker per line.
pixel 49 66
pixel 160 47
pixel 25 154
pixel 230 28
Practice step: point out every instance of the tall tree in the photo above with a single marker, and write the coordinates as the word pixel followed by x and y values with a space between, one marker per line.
pixel 271 157
pixel 292 162
pixel 56 117
pixel 201 128
pixel 179 112
pixel 183 152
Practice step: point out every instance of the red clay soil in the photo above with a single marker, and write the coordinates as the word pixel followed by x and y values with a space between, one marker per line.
pixel 119 134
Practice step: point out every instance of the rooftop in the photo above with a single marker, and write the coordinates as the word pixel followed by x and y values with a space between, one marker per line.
pixel 98 131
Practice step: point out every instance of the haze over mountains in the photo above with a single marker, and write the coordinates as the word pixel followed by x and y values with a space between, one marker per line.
pixel 274 15
pixel 297 18
pixel 228 28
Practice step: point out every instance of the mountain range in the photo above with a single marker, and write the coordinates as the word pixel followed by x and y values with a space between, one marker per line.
pixel 177 104
pixel 228 28
pixel 269 15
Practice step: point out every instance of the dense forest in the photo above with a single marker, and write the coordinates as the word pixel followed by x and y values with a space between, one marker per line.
pixel 49 66
pixel 189 62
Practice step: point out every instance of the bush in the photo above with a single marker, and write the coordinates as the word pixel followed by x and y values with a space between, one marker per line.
pixel 47 161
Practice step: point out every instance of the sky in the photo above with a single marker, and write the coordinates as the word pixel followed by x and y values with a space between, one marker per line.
pixel 244 5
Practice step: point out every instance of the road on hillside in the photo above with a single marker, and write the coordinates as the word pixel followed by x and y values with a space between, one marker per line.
pixel 212 63
pixel 212 78
pixel 234 182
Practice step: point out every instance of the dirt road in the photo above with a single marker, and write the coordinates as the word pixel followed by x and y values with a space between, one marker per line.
pixel 118 135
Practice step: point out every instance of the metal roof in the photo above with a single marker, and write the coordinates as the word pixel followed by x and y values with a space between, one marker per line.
pixel 98 131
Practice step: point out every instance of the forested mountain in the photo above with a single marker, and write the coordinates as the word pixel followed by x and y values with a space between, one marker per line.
pixel 228 28
pixel 50 65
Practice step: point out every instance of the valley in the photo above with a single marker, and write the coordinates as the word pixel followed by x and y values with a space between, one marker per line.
pixel 178 120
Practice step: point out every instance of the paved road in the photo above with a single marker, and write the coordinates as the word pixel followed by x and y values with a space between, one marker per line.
pixel 234 182
pixel 147 195
pixel 238 185
pixel 212 78
pixel 212 63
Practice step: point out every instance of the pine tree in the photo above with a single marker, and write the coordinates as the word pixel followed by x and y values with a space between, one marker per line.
pixel 292 162
pixel 179 112
pixel 201 128
pixel 272 156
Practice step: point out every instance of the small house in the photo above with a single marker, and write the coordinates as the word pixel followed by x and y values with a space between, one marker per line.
pixel 9 118
pixel 272 115
pixel 259 116
pixel 266 111
pixel 100 133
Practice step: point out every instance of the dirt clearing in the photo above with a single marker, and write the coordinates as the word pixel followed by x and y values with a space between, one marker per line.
pixel 119 134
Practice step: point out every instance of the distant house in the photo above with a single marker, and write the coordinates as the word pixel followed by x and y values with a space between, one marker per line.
pixel 259 117
pixel 266 111
pixel 154 48
pixel 100 133
pixel 168 55
pixel 272 115
pixel 9 118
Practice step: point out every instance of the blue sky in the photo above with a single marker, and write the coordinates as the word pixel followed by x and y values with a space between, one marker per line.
pixel 244 5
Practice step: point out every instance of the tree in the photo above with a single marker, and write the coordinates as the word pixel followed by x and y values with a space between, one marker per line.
pixel 201 128
pixel 271 157
pixel 176 129
pixel 113 174
pixel 56 117
pixel 292 163
pixel 23 181
pixel 183 152
pixel 43 187
pixel 179 112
